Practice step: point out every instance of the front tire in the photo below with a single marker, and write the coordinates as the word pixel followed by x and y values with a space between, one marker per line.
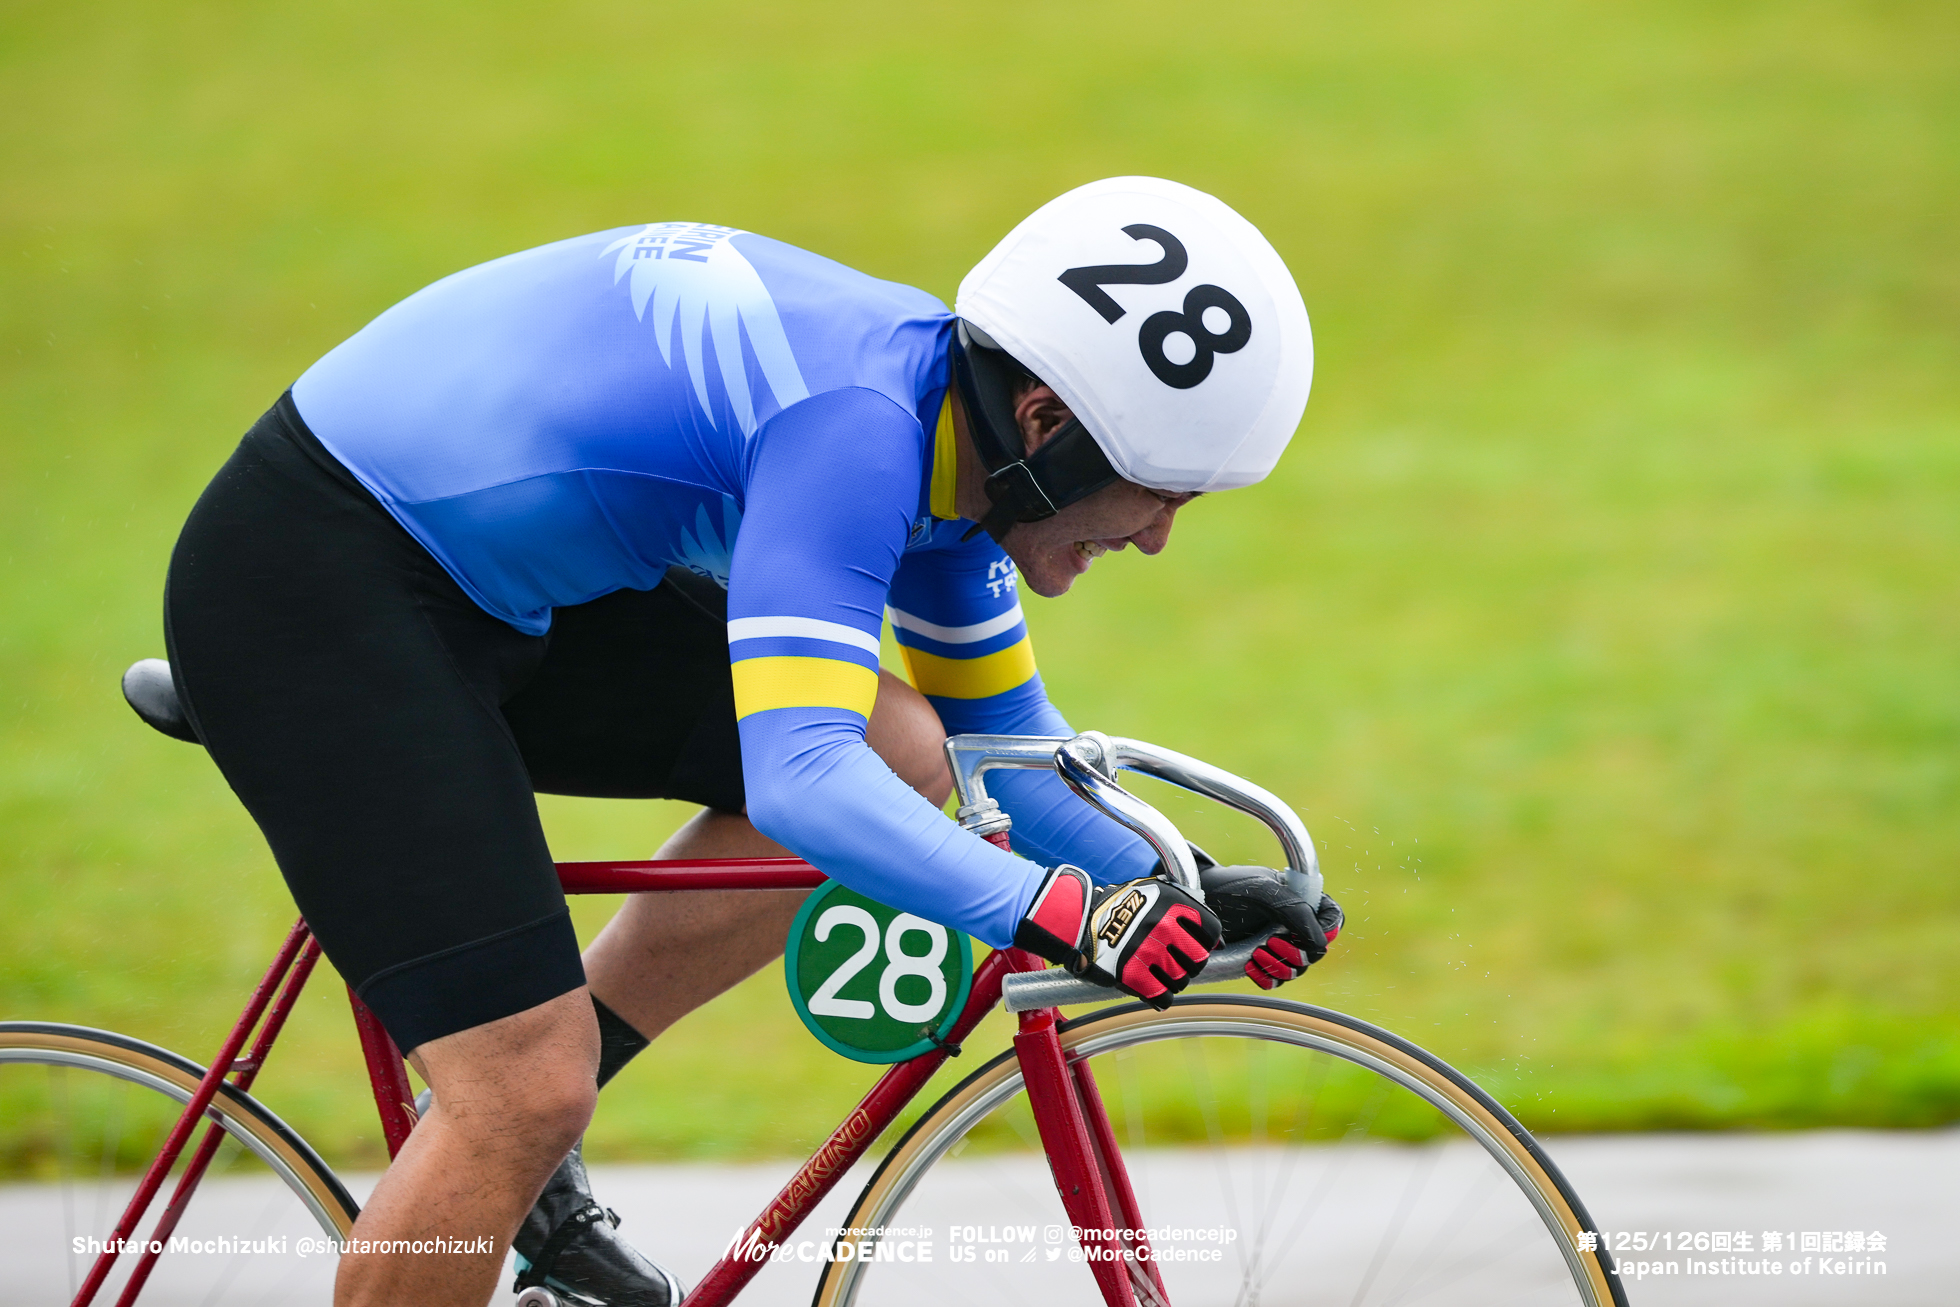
pixel 1294 1155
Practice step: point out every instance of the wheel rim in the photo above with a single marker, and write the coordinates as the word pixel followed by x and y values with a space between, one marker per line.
pixel 85 1112
pixel 1532 1185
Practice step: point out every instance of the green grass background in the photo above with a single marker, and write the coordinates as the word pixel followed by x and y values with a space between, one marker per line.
pixel 1603 622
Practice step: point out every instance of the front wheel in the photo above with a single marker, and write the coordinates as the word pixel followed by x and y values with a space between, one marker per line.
pixel 82 1114
pixel 1280 1154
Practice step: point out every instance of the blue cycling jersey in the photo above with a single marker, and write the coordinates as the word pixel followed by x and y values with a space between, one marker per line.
pixel 575 419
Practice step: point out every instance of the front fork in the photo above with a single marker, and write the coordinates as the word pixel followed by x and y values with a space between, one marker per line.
pixel 1075 1133
pixel 1090 1176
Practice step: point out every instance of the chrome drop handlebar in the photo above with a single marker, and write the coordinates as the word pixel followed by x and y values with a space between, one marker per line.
pixel 1088 764
pixel 1083 763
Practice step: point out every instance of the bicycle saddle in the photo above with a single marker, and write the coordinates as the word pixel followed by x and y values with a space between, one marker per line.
pixel 150 691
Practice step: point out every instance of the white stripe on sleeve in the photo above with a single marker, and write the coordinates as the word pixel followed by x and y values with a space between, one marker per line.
pixel 973 634
pixel 800 628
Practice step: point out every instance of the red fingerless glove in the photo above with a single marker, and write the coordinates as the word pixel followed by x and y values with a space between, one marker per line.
pixel 1146 937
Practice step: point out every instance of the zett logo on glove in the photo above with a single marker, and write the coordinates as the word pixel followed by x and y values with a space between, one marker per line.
pixel 1120 918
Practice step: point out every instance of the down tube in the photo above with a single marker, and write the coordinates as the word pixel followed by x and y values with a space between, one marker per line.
pixel 869 1119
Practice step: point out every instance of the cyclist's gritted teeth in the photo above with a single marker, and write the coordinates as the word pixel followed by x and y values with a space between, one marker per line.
pixel 1091 549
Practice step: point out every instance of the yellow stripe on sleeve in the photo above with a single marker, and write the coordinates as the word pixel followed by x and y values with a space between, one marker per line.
pixel 765 683
pixel 970 678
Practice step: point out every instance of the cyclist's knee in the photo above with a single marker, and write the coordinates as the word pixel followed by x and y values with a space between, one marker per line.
pixel 539 1108
pixel 556 1111
pixel 547 1116
pixel 534 1071
pixel 906 732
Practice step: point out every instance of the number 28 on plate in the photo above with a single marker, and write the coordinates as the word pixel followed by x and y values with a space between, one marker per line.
pixel 871 982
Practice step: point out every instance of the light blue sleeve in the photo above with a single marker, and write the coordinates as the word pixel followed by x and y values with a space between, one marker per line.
pixel 832 488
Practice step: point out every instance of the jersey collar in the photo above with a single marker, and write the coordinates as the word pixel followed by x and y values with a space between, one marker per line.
pixel 945 464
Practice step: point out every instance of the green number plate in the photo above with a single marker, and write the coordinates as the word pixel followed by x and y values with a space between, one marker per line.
pixel 874 983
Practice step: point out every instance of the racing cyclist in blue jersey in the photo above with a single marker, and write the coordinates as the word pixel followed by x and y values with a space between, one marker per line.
pixel 623 516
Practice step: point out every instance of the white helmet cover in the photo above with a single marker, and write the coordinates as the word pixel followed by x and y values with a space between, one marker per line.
pixel 1189 361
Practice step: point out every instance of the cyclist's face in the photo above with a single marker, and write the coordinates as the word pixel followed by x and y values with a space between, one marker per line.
pixel 1051 553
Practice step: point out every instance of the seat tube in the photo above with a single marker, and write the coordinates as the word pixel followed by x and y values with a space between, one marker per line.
pixel 1071 1149
pixel 394 1097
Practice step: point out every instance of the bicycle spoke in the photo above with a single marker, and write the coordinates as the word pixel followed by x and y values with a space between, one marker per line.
pixel 1255 1057
pixel 1002 1179
pixel 269 1214
pixel 111 1144
pixel 1126 1076
pixel 64 1119
pixel 1479 1258
pixel 1299 1119
pixel 1418 1177
pixel 1446 1233
pixel 1329 1179
pixel 998 1175
pixel 1208 1106
pixel 1022 1121
pixel 1146 1292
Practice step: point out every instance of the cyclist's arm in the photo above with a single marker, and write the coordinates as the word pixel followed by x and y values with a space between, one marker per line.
pixel 957 616
pixel 833 484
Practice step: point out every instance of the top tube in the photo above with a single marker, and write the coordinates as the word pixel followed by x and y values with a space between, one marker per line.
pixel 653 876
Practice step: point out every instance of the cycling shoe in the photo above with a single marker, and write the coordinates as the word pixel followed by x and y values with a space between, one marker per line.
pixel 571 1245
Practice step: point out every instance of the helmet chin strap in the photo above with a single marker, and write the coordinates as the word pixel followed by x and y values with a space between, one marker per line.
pixel 1021 487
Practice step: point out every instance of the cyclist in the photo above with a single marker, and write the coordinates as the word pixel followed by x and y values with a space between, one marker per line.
pixel 622 516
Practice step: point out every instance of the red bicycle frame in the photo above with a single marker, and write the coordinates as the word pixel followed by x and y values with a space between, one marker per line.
pixel 1074 1127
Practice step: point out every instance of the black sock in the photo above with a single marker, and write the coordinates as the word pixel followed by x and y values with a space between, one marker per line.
pixel 618 1041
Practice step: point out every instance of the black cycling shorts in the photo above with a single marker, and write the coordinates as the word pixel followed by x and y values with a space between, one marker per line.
pixel 387 734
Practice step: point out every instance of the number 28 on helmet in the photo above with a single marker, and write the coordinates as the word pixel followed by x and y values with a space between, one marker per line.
pixel 1166 323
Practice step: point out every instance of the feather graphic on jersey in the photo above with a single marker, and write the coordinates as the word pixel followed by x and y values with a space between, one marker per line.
pixel 692 272
pixel 706 551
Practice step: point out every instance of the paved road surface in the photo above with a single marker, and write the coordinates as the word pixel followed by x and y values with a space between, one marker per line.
pixel 1905 1186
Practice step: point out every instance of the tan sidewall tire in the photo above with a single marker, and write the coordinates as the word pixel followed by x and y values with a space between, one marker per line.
pixel 1367 1045
pixel 243 1116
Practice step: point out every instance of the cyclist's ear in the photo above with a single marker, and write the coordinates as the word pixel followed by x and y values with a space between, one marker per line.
pixel 1040 413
